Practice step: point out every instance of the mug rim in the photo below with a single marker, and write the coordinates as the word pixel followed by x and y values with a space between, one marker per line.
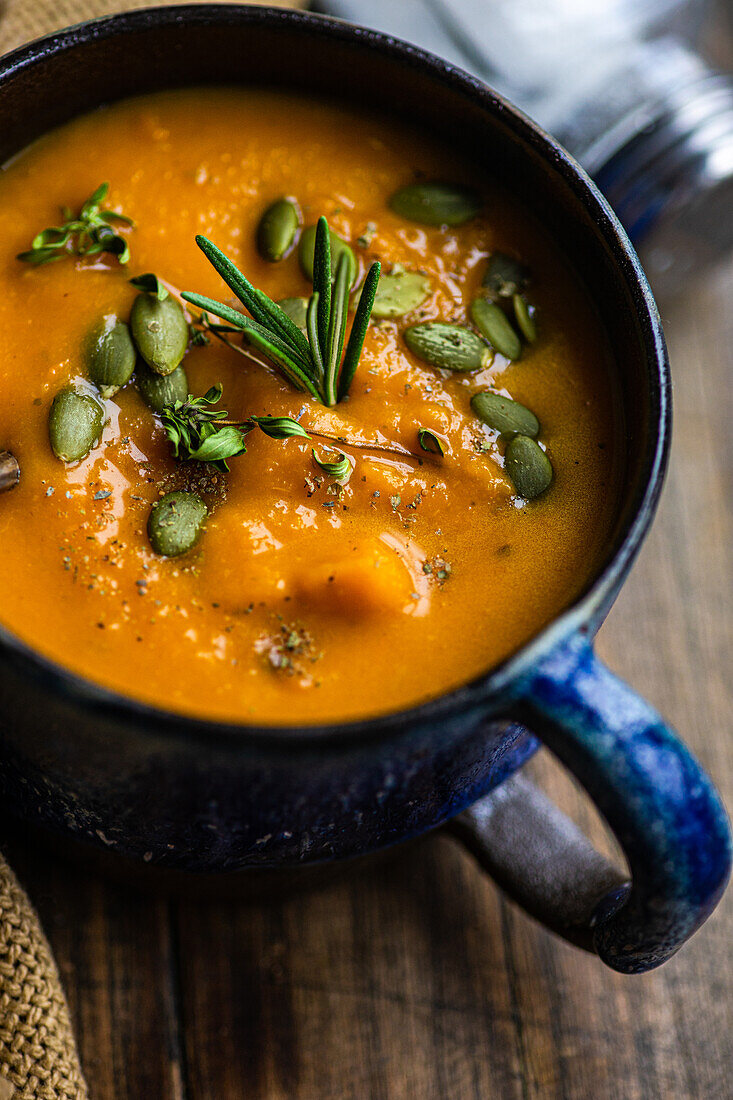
pixel 586 611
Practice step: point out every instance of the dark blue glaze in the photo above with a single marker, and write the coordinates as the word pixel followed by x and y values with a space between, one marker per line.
pixel 655 796
pixel 174 792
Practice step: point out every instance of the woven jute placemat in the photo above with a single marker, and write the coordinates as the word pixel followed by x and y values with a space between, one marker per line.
pixel 38 1056
pixel 22 20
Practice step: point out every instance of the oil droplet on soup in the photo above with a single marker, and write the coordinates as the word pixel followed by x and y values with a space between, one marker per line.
pixel 304 598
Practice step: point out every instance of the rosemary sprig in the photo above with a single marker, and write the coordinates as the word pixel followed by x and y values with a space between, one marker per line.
pixel 86 234
pixel 312 363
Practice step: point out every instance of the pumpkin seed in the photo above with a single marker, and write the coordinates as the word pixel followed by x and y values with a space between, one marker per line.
pixel 448 346
pixel 504 275
pixel 75 422
pixel 175 523
pixel 160 331
pixel 296 309
pixel 524 314
pixel 307 247
pixel 528 467
pixel 159 390
pixel 277 229
pixel 111 356
pixel 435 204
pixel 400 292
pixel 491 321
pixel 504 415
pixel 9 471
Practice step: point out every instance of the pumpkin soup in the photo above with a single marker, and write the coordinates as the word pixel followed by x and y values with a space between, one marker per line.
pixel 325 509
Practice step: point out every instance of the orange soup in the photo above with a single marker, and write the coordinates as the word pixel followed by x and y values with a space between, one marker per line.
pixel 342 575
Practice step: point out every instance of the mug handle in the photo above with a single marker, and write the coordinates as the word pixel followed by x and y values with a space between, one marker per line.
pixel 655 796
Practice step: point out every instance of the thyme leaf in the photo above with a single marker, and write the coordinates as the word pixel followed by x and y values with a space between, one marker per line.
pixel 151 284
pixel 430 442
pixel 219 445
pixel 340 470
pixel 279 427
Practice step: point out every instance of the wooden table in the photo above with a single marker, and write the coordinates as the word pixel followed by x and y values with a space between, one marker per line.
pixel 415 980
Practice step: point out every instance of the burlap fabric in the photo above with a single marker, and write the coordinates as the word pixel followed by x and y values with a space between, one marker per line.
pixel 21 20
pixel 38 1057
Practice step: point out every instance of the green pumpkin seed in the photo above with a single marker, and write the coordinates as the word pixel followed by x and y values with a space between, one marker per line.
pixel 528 467
pixel 9 471
pixel 111 356
pixel 175 523
pixel 400 292
pixel 160 331
pixel 491 321
pixel 448 346
pixel 75 422
pixel 159 390
pixel 504 415
pixel 307 247
pixel 435 204
pixel 296 309
pixel 504 275
pixel 524 314
pixel 277 229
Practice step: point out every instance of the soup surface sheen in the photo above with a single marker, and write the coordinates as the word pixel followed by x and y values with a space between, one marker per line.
pixel 304 601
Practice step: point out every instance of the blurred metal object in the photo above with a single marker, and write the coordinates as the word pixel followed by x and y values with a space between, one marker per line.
pixel 621 84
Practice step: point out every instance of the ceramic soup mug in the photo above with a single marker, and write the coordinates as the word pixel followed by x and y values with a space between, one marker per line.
pixel 204 796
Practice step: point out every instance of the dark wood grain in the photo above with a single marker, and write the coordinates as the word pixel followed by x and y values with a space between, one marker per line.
pixel 412 979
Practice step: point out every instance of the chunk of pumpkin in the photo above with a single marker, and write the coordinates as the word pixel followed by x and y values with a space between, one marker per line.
pixel 371 579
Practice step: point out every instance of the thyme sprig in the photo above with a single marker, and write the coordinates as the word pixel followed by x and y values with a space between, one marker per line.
pixel 85 234
pixel 313 362
pixel 197 431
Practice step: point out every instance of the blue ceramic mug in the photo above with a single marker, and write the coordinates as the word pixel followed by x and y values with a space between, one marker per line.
pixel 197 796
